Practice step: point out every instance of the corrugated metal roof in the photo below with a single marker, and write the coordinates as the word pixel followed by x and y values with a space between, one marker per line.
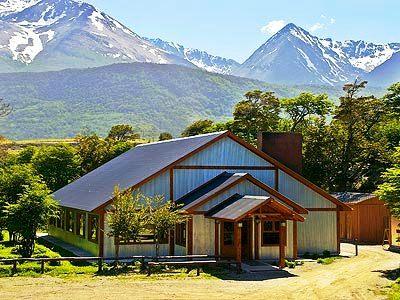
pixel 127 170
pixel 351 197
pixel 239 207
pixel 211 187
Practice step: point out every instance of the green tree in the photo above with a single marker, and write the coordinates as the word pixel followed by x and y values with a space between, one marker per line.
pixel 260 111
pixel 389 190
pixel 198 127
pixel 93 151
pixel 58 165
pixel 392 99
pixel 122 133
pixel 31 212
pixel 25 155
pixel 305 106
pixel 163 216
pixel 127 218
pixel 165 136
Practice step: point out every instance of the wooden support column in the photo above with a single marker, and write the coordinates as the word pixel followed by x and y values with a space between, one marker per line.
pixel 338 229
pixel 171 241
pixel 190 236
pixel 171 185
pixel 216 238
pixel 282 234
pixel 295 255
pixel 237 238
pixel 101 234
pixel 257 239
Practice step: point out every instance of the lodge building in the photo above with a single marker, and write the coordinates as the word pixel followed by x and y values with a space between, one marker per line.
pixel 240 201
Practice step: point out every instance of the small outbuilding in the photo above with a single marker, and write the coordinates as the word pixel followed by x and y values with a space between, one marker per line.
pixel 369 222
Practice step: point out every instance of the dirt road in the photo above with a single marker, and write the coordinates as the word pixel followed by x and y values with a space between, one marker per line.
pixel 349 278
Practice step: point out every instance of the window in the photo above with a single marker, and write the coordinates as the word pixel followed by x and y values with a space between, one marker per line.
pixel 93 228
pixel 228 233
pixel 60 219
pixel 147 237
pixel 270 233
pixel 80 224
pixel 70 221
pixel 180 234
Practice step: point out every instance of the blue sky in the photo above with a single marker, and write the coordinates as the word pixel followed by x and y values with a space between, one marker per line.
pixel 234 29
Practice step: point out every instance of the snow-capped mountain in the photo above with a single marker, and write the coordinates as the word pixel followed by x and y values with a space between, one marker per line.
pixel 59 34
pixel 363 55
pixel 295 56
pixel 387 73
pixel 201 59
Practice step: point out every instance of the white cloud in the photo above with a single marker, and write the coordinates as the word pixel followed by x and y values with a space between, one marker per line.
pixel 316 26
pixel 333 21
pixel 273 26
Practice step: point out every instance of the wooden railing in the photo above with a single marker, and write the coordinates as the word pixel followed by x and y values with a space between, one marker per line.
pixel 101 260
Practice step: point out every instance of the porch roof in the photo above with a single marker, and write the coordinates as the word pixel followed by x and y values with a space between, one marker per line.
pixel 239 206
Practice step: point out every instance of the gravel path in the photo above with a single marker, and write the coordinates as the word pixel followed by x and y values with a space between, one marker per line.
pixel 348 278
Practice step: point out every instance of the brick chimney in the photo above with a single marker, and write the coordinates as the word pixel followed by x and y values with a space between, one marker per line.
pixel 285 147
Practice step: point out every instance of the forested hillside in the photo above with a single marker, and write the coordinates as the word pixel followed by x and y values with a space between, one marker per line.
pixel 151 97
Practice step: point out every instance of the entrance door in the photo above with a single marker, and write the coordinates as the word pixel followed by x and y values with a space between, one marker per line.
pixel 246 239
pixel 228 242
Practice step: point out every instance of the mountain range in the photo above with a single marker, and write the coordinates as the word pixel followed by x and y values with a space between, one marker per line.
pixel 46 35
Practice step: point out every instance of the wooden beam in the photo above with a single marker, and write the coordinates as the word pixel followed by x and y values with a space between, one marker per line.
pixel 190 237
pixel 322 208
pixel 277 180
pixel 237 238
pixel 282 233
pixel 295 254
pixel 225 167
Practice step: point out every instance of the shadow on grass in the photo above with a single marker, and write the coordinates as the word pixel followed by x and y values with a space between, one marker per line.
pixel 390 274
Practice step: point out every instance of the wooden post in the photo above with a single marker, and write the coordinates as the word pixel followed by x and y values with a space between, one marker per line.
pixel 216 238
pixel 356 245
pixel 237 238
pixel 42 266
pixel 295 255
pixel 257 239
pixel 190 236
pixel 282 233
pixel 198 271
pixel 14 269
pixel 100 265
pixel 338 230
pixel 171 241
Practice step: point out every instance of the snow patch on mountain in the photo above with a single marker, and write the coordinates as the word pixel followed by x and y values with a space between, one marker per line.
pixel 200 59
pixel 13 6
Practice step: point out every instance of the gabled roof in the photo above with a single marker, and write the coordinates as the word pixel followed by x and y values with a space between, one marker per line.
pixel 223 182
pixel 352 197
pixel 144 162
pixel 128 170
pixel 238 207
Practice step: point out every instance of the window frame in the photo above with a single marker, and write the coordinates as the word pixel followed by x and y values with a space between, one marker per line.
pixel 226 233
pixel 78 217
pixel 275 230
pixel 180 234
pixel 90 228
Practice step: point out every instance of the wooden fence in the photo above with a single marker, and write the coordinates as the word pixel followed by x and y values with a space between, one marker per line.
pixel 101 260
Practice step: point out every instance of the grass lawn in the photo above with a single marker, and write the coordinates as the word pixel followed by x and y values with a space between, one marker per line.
pixel 82 269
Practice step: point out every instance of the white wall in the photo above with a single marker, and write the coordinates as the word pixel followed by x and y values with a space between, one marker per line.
pixel 203 235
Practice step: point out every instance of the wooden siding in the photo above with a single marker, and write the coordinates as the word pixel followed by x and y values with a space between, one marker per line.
pixel 157 186
pixel 367 222
pixel 318 232
pixel 203 235
pixel 300 193
pixel 187 180
pixel 225 152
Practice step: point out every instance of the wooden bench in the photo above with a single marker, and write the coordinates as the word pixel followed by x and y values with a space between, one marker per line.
pixel 192 263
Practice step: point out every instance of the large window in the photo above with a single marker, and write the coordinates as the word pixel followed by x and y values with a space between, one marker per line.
pixel 270 233
pixel 147 237
pixel 93 228
pixel 180 234
pixel 80 224
pixel 70 221
pixel 228 233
